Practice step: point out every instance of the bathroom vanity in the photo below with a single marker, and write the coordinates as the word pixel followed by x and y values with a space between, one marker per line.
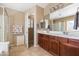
pixel 59 44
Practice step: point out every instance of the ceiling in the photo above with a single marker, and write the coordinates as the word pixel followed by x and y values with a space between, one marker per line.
pixel 22 6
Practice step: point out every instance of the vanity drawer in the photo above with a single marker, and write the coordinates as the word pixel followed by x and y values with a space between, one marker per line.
pixel 45 37
pixel 63 40
pixel 74 42
pixel 54 46
pixel 40 35
pixel 54 38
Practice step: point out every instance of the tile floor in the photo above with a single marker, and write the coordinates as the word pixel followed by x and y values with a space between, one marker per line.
pixel 33 51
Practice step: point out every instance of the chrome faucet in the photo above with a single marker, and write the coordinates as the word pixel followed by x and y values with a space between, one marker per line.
pixel 65 33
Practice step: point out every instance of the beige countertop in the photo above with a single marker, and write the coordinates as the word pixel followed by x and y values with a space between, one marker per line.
pixel 55 33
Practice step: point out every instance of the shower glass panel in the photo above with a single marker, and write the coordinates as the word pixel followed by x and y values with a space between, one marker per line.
pixel 6 25
pixel 1 24
pixel 4 29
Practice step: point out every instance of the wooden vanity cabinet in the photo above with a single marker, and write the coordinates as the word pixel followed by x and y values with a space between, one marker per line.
pixel 52 43
pixel 59 45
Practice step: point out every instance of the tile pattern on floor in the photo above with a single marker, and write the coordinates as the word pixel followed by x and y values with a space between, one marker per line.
pixel 33 51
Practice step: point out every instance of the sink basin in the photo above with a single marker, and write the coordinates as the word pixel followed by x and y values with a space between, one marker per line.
pixel 56 32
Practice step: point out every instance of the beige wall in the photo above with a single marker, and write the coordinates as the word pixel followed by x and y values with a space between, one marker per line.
pixel 39 13
pixel 15 17
pixel 46 10
pixel 19 18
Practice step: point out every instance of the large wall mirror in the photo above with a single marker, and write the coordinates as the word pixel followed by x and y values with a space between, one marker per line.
pixel 61 19
pixel 64 24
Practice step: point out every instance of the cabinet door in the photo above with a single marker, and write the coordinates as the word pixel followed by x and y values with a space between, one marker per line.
pixel 54 45
pixel 74 42
pixel 40 39
pixel 41 42
pixel 61 49
pixel 62 40
pixel 69 50
pixel 46 42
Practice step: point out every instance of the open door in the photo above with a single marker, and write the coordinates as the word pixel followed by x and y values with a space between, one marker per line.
pixel 29 30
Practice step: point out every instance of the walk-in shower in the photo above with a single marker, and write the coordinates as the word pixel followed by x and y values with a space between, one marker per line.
pixel 4 31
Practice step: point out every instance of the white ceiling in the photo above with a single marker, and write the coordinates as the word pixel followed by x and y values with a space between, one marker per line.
pixel 22 6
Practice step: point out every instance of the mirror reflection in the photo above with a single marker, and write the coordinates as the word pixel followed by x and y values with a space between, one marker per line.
pixel 59 20
pixel 64 24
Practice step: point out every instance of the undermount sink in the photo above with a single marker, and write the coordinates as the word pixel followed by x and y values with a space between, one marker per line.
pixel 55 32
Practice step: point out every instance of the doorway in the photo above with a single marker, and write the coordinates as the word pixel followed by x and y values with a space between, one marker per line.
pixel 29 30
